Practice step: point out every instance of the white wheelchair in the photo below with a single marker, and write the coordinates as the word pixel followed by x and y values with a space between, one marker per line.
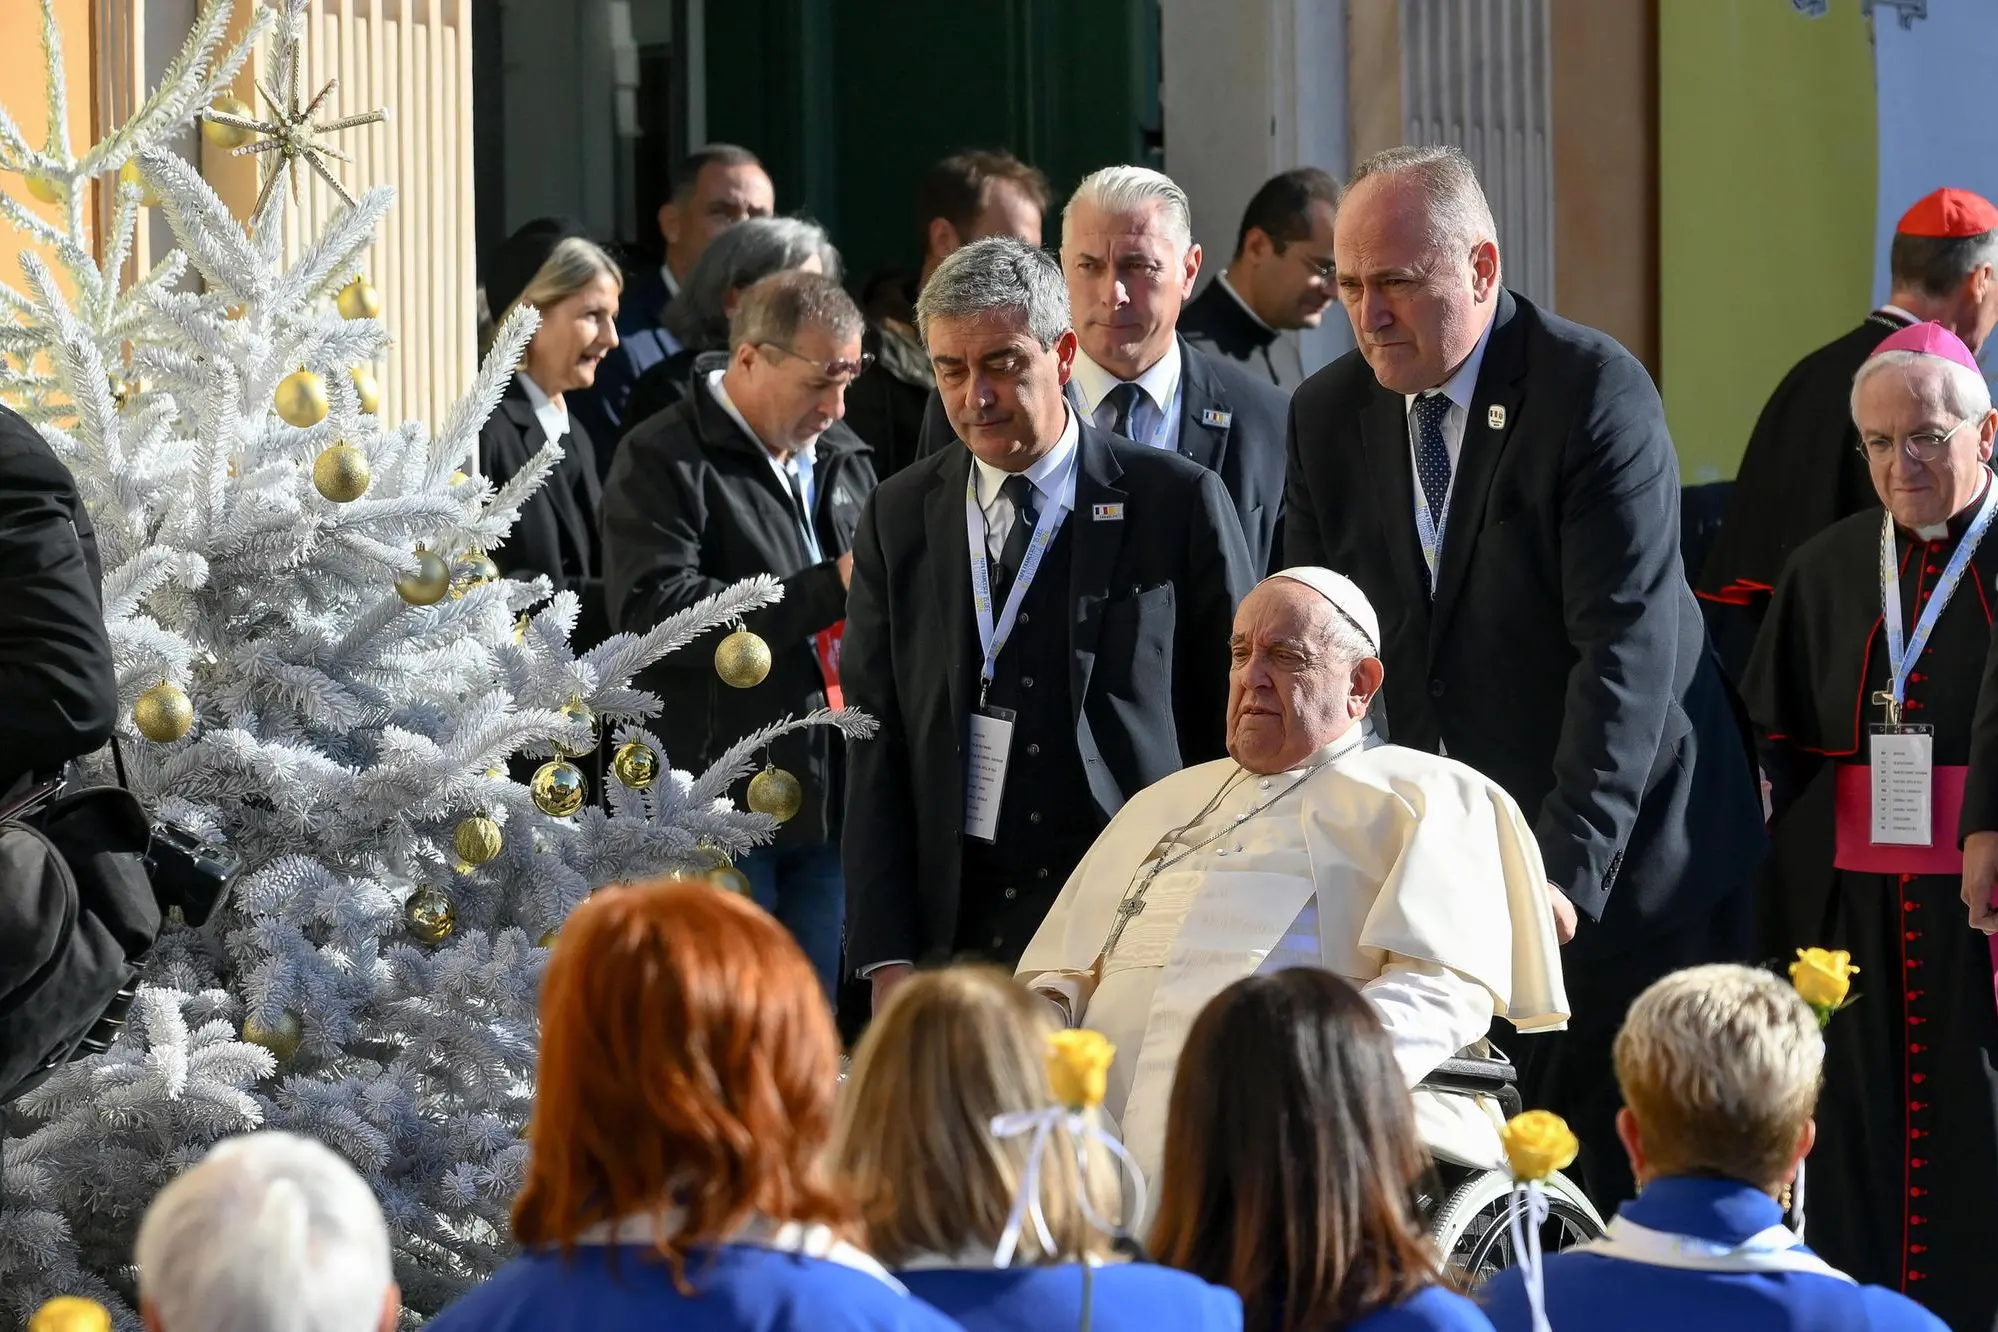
pixel 1469 1206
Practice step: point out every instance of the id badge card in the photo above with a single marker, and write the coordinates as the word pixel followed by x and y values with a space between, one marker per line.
pixel 990 747
pixel 1901 763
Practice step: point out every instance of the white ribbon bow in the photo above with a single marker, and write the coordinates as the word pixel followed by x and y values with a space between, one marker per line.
pixel 1529 1201
pixel 1042 1124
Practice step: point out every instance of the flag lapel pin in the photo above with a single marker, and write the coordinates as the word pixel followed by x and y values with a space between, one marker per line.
pixel 1495 418
pixel 1215 417
pixel 1107 513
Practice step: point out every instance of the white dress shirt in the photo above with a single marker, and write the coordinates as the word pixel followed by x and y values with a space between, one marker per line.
pixel 1459 388
pixel 672 283
pixel 1155 420
pixel 553 415
pixel 1053 475
pixel 799 463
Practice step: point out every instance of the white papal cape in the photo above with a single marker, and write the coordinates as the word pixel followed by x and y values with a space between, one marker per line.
pixel 1406 853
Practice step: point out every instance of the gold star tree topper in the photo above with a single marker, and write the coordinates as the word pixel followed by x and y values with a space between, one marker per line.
pixel 291 133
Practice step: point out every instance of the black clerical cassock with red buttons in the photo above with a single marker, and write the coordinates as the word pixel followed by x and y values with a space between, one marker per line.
pixel 1903 1183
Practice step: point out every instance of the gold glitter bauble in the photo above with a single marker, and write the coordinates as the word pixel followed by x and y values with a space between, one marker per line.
pixel 358 300
pixel 730 878
pixel 301 399
pixel 577 713
pixel 228 136
pixel 163 713
pixel 282 1040
pixel 70 1313
pixel 430 915
pixel 341 472
pixel 427 586
pixel 635 765
pixel 129 175
pixel 478 840
pixel 365 390
pixel 44 187
pixel 558 788
pixel 742 660
pixel 776 792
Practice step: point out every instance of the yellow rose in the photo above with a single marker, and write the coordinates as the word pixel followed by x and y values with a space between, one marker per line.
pixel 1822 977
pixel 70 1313
pixel 1537 1144
pixel 1079 1067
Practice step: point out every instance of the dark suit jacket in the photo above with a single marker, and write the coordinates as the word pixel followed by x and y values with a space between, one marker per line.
pixel 1564 655
pixel 1152 602
pixel 557 531
pixel 692 506
pixel 58 696
pixel 1215 322
pixel 1231 423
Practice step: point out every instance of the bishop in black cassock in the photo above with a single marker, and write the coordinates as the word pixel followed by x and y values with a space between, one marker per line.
pixel 1904 1179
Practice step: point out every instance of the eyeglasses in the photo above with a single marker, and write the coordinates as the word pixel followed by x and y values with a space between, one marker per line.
pixel 837 368
pixel 1926 446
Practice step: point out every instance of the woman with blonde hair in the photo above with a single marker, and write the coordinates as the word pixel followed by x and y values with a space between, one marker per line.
pixel 1720 1068
pixel 551 266
pixel 940 1192
pixel 686 1085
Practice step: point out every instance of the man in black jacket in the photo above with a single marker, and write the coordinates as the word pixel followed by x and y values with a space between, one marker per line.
pixel 1128 256
pixel 1039 624
pixel 1280 278
pixel 58 696
pixel 1500 484
pixel 756 475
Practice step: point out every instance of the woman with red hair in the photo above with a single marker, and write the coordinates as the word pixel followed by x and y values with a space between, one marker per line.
pixel 687 1082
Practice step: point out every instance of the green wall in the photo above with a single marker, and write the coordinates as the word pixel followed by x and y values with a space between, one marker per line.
pixel 1767 169
pixel 848 102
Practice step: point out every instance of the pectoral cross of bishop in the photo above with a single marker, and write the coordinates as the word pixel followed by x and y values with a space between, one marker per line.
pixel 1126 909
pixel 1885 698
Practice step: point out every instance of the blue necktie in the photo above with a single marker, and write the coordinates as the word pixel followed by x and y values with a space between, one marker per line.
pixel 1124 399
pixel 1432 455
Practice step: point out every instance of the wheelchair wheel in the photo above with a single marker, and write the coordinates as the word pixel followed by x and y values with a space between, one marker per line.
pixel 1470 1227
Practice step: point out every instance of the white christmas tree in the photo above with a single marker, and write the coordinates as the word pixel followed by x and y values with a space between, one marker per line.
pixel 318 667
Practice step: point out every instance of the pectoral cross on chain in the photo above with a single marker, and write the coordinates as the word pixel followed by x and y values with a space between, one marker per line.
pixel 1885 698
pixel 1126 909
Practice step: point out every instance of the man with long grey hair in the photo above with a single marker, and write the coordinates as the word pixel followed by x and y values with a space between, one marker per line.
pixel 1037 621
pixel 270 1230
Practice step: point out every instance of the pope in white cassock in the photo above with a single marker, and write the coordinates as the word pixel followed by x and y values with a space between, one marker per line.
pixel 1314 844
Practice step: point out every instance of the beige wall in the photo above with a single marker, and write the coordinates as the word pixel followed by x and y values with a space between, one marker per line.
pixel 23 90
pixel 1606 168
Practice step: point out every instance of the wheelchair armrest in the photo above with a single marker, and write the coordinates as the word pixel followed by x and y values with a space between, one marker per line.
pixel 1484 1077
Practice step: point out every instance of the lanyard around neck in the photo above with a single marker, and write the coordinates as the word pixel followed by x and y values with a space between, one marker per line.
pixel 1901 658
pixel 992 635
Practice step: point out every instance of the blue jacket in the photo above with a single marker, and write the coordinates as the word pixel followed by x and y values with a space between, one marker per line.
pixel 1586 1290
pixel 736 1288
pixel 1127 1297
pixel 1432 1309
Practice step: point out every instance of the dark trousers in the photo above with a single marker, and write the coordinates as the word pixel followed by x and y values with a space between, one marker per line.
pixel 1573 1072
pixel 804 888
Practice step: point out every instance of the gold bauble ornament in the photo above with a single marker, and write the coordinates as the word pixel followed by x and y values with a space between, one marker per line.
pixel 430 915
pixel 548 938
pixel 577 713
pixel 70 1313
pixel 730 878
pixel 281 1040
pixel 776 792
pixel 635 765
pixel 45 187
pixel 163 713
pixel 341 472
pixel 301 399
pixel 123 390
pixel 742 660
pixel 558 788
pixel 228 136
pixel 365 390
pixel 477 840
pixel 358 300
pixel 520 630
pixel 473 571
pixel 129 175
pixel 427 586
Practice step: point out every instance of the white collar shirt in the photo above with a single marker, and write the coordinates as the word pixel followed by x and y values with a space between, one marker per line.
pixel 1053 477
pixel 672 283
pixel 553 416
pixel 1459 388
pixel 1155 419
pixel 799 464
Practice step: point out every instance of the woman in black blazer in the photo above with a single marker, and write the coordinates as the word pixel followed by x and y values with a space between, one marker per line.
pixel 550 265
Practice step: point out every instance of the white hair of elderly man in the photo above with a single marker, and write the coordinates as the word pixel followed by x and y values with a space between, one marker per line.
pixel 269 1231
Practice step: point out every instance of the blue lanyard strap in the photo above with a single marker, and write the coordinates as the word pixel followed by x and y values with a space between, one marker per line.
pixel 992 637
pixel 1901 658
